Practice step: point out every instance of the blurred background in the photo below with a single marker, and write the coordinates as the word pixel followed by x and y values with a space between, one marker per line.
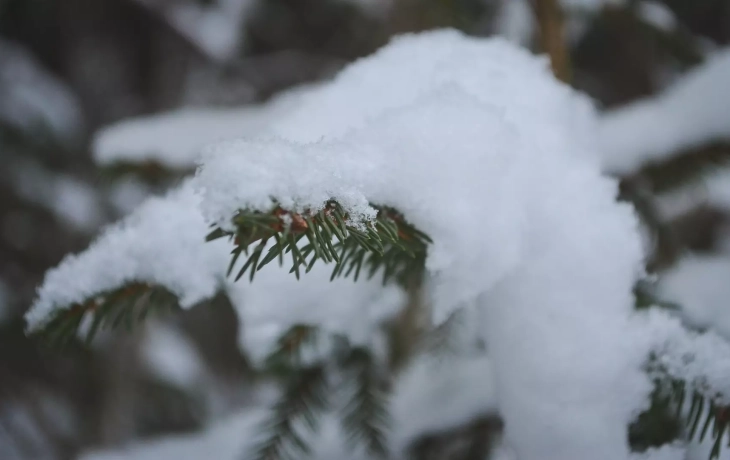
pixel 104 102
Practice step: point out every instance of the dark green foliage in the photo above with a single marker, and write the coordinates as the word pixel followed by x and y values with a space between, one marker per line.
pixel 127 305
pixel 471 441
pixel 388 245
pixel 659 424
pixel 150 172
pixel 679 410
pixel 286 357
pixel 644 298
pixel 165 408
pixel 304 398
pixel 365 417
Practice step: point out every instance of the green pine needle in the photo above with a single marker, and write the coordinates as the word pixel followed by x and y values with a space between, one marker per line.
pixel 304 398
pixel 388 245
pixel 127 305
pixel 365 417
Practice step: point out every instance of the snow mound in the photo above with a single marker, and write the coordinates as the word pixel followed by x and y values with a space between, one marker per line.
pixel 478 146
pixel 162 242
pixel 174 139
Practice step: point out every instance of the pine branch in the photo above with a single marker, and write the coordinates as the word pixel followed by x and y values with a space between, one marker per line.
pixel 697 423
pixel 645 297
pixel 365 418
pixel 304 398
pixel 686 167
pixel 389 244
pixel 149 171
pixel 680 408
pixel 285 359
pixel 127 305
pixel 659 424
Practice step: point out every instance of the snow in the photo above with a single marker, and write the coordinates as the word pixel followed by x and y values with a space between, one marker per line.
pixel 589 5
pixel 275 301
pixel 76 202
pixel 693 111
pixel 126 195
pixel 174 139
pixel 477 145
pixel 657 14
pixel 515 19
pixel 171 357
pixel 434 395
pixel 701 359
pixel 515 22
pixel 217 29
pixel 668 452
pixel 711 190
pixel 374 7
pixel 31 98
pixel 698 284
pixel 478 133
pixel 222 441
pixel 426 399
pixel 161 243
pixel 73 201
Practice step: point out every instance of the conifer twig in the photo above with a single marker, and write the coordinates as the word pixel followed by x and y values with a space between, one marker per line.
pixel 388 244
pixel 551 26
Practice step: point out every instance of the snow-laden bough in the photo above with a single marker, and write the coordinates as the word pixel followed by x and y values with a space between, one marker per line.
pixel 477 145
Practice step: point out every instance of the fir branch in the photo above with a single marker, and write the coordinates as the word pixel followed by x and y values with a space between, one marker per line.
pixel 285 359
pixel 365 417
pixel 678 409
pixel 127 305
pixel 645 297
pixel 659 424
pixel 304 398
pixel 388 244
pixel 687 167
pixel 149 172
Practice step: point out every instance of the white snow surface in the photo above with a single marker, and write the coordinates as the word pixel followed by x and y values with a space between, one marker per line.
pixel 160 243
pixel 657 14
pixel 171 356
pixel 32 98
pixel 699 285
pixel 692 111
pixel 475 142
pixel 217 29
pixel 276 301
pixel 174 139
pixel 589 5
pixel 515 21
pixel 701 359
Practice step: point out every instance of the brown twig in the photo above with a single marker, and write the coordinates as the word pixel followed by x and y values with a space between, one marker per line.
pixel 551 24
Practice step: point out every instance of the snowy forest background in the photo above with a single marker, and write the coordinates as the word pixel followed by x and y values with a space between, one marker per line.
pixel 104 103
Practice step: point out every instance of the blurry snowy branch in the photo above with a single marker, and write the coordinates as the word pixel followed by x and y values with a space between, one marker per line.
pixel 529 259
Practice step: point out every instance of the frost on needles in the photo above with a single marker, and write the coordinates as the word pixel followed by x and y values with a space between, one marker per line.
pixel 476 145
